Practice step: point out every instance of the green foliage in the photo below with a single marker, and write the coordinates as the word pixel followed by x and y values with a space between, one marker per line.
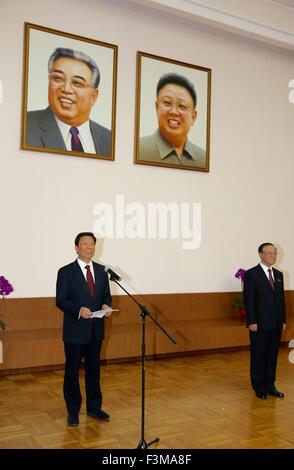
pixel 239 302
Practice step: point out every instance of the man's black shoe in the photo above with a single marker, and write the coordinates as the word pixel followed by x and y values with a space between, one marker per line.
pixel 262 396
pixel 276 393
pixel 72 420
pixel 100 414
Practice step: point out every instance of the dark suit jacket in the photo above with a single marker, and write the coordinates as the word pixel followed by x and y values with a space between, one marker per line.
pixel 43 131
pixel 263 305
pixel 72 293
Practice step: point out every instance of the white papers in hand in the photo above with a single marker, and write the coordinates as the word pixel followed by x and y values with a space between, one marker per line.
pixel 101 313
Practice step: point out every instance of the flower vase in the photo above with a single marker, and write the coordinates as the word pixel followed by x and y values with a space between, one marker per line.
pixel 242 313
pixel 2 309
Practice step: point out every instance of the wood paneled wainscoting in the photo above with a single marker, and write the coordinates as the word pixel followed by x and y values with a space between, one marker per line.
pixel 198 321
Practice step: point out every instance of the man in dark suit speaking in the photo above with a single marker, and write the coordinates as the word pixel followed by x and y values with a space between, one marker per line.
pixel 83 288
pixel 265 315
pixel 72 92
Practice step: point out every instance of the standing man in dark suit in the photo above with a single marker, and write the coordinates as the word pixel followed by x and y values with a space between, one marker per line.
pixel 73 80
pixel 265 315
pixel 83 288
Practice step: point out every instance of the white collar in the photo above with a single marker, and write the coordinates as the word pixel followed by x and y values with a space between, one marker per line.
pixel 82 264
pixel 84 130
pixel 266 268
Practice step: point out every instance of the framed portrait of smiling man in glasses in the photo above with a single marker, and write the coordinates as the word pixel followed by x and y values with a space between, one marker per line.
pixel 172 113
pixel 69 94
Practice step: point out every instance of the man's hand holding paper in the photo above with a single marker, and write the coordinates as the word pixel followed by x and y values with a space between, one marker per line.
pixel 106 311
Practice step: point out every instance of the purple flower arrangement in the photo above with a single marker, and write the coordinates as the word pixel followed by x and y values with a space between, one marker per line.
pixel 5 289
pixel 240 274
pixel 5 286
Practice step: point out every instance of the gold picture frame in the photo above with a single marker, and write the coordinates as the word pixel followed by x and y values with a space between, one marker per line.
pixel 172 123
pixel 77 88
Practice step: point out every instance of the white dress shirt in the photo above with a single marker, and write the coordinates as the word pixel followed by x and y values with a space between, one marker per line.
pixel 83 265
pixel 85 136
pixel 266 268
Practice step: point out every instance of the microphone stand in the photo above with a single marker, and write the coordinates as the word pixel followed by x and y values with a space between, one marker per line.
pixel 144 313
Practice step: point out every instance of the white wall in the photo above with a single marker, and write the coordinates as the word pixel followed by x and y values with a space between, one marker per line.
pixel 246 197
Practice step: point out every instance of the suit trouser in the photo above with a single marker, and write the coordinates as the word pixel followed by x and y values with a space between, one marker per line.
pixel 264 349
pixel 71 387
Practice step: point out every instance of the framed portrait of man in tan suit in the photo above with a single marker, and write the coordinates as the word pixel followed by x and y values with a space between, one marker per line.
pixel 172 113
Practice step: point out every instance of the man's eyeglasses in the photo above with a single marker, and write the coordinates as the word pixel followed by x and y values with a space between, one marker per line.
pixel 58 79
pixel 168 105
pixel 271 254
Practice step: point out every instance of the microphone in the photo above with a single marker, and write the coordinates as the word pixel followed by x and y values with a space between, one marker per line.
pixel 112 273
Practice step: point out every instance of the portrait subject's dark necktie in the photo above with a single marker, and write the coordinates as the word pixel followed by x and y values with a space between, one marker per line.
pixel 75 140
pixel 271 279
pixel 90 281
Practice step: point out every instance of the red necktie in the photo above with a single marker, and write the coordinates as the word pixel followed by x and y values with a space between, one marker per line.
pixel 90 281
pixel 76 144
pixel 271 279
